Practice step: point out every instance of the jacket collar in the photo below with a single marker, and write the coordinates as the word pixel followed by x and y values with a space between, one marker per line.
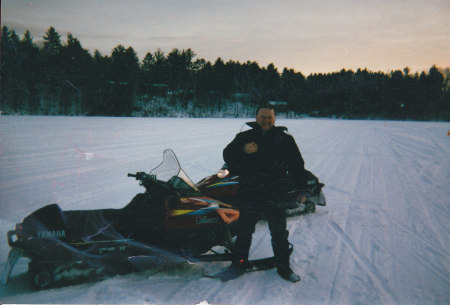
pixel 255 126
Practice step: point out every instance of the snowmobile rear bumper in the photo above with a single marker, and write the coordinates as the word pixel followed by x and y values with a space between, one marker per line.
pixel 319 199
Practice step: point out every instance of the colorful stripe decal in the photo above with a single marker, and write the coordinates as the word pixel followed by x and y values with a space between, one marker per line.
pixel 221 184
pixel 180 212
pixel 201 199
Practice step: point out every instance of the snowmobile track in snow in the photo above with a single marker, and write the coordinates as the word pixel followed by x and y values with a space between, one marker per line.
pixel 370 268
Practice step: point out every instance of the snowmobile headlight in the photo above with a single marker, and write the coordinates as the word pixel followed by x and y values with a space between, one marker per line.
pixel 14 238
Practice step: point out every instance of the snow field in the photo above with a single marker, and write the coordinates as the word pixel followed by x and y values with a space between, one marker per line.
pixel 383 238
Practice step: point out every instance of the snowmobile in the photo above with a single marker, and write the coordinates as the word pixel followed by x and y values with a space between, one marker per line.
pixel 224 186
pixel 171 221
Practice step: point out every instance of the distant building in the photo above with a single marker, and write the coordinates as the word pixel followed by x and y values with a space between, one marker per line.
pixel 280 106
pixel 278 103
pixel 160 89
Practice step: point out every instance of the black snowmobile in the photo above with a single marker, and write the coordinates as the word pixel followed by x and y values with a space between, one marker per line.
pixel 171 221
pixel 224 186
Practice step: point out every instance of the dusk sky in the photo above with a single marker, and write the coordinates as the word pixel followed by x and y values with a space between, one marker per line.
pixel 309 36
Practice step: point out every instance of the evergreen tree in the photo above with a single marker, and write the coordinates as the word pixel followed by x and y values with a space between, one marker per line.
pixel 221 85
pixel 145 74
pixel 53 72
pixel 270 82
pixel 98 93
pixel 159 68
pixel 52 42
pixel 293 90
pixel 179 65
pixel 30 73
pixel 11 64
pixel 123 73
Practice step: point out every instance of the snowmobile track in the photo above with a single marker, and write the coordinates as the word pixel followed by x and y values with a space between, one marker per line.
pixel 370 268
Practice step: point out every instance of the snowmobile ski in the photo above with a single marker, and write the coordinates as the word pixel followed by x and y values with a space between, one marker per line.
pixel 13 256
pixel 232 272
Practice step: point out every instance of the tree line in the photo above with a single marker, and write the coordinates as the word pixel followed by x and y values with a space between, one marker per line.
pixel 63 78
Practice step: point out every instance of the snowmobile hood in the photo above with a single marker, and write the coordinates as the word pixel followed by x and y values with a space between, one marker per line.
pixel 255 125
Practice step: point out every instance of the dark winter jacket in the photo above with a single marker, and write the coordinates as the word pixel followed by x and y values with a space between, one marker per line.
pixel 277 166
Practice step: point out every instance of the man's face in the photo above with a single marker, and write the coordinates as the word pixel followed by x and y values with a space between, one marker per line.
pixel 265 118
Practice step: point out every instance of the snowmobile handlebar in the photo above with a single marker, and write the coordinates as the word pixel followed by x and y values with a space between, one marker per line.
pixel 138 175
pixel 148 181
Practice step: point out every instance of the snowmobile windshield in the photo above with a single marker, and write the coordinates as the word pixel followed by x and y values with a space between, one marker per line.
pixel 171 172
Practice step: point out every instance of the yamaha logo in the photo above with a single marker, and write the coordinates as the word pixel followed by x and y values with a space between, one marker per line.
pixel 51 234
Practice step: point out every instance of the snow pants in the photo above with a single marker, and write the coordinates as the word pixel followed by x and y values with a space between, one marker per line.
pixel 250 213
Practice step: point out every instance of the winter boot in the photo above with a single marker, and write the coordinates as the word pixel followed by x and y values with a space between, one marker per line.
pixel 288 274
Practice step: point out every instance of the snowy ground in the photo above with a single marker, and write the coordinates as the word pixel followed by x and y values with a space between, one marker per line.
pixel 383 238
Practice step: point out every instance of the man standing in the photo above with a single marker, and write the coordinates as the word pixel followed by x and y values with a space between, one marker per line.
pixel 268 163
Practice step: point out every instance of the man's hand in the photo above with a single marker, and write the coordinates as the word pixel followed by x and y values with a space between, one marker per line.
pixel 250 148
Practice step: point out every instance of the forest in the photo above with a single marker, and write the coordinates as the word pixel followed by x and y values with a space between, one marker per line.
pixel 55 77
